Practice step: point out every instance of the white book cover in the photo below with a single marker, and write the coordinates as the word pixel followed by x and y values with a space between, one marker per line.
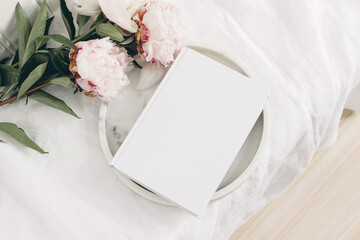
pixel 191 130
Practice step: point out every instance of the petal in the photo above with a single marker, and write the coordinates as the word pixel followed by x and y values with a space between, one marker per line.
pixel 84 7
pixel 120 12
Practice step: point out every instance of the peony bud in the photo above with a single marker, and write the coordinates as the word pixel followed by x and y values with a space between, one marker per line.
pixel 100 68
pixel 161 33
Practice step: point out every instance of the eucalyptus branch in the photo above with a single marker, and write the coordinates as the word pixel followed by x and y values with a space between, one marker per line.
pixel 79 38
pixel 21 81
pixel 27 92
pixel 72 78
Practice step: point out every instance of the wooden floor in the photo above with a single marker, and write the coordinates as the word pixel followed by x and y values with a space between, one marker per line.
pixel 324 203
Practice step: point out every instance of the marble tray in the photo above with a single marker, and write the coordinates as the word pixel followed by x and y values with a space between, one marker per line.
pixel 117 117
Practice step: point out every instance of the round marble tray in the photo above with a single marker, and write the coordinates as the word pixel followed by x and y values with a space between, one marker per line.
pixel 117 117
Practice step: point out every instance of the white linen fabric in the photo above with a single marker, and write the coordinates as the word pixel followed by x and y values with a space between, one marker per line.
pixel 307 52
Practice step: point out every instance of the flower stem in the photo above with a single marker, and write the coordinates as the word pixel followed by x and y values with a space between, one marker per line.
pixel 85 35
pixel 27 92
pixel 42 51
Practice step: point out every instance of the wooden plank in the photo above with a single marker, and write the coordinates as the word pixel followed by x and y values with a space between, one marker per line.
pixel 324 202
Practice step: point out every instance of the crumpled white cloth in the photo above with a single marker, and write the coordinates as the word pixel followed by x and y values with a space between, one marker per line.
pixel 307 52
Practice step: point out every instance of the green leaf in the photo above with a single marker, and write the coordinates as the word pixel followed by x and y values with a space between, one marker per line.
pixel 128 40
pixel 16 57
pixel 108 30
pixel 37 31
pixel 48 24
pixel 31 79
pixel 35 60
pixel 68 19
pixel 4 61
pixel 23 29
pixel 81 21
pixel 58 63
pixel 40 41
pixel 8 75
pixel 47 77
pixel 7 90
pixel 64 81
pixel 19 135
pixel 2 141
pixel 132 52
pixel 52 101
pixel 100 18
pixel 61 39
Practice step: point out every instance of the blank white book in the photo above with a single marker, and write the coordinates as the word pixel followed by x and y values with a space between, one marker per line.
pixel 191 130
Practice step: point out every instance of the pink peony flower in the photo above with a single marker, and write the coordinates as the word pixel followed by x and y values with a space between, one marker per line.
pixel 160 34
pixel 100 68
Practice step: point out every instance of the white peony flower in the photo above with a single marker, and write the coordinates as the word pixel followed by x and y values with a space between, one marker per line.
pixel 161 32
pixel 117 11
pixel 84 7
pixel 100 68
pixel 121 12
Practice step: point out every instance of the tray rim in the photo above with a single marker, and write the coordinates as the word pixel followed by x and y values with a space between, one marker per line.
pixel 225 190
